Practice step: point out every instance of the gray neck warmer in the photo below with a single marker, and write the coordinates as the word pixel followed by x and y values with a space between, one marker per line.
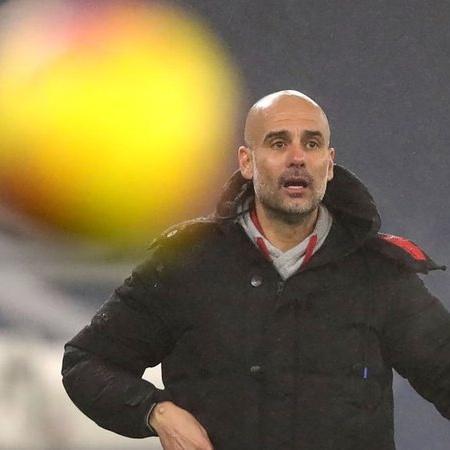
pixel 290 261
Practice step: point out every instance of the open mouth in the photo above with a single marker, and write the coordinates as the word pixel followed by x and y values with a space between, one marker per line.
pixel 295 186
pixel 296 183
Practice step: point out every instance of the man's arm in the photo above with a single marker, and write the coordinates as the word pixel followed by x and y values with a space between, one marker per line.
pixel 116 399
pixel 103 364
pixel 417 339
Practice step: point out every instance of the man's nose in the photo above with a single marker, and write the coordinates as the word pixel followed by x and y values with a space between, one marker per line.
pixel 297 155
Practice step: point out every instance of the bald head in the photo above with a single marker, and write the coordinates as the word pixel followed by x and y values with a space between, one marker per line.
pixel 280 105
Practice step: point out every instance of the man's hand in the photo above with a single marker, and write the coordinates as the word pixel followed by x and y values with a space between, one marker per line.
pixel 178 429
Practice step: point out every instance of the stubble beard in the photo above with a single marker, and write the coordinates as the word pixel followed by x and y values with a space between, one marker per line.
pixel 279 211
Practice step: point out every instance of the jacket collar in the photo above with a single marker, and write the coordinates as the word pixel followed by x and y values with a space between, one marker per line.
pixel 356 218
pixel 346 198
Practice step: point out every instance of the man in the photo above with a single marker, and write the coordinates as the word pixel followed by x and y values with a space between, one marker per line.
pixel 278 319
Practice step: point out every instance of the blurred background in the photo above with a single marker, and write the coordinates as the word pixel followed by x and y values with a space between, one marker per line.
pixel 119 118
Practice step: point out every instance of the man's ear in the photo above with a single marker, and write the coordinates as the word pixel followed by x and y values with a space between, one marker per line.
pixel 331 163
pixel 245 162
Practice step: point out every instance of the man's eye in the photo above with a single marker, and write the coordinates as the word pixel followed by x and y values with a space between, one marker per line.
pixel 278 144
pixel 312 144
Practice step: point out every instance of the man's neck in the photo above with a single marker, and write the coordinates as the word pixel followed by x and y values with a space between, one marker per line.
pixel 284 235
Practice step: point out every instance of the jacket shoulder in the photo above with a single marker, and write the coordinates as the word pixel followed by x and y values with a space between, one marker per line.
pixel 403 251
pixel 185 232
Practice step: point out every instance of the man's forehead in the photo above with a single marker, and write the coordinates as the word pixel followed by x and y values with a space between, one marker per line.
pixel 292 117
pixel 295 122
pixel 285 109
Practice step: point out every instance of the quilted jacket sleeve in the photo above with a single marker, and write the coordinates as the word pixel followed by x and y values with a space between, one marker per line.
pixel 103 364
pixel 417 339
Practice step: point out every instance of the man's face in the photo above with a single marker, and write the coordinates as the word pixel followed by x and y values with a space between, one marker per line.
pixel 289 158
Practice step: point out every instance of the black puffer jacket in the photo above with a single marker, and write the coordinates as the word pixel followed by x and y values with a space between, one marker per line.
pixel 266 364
